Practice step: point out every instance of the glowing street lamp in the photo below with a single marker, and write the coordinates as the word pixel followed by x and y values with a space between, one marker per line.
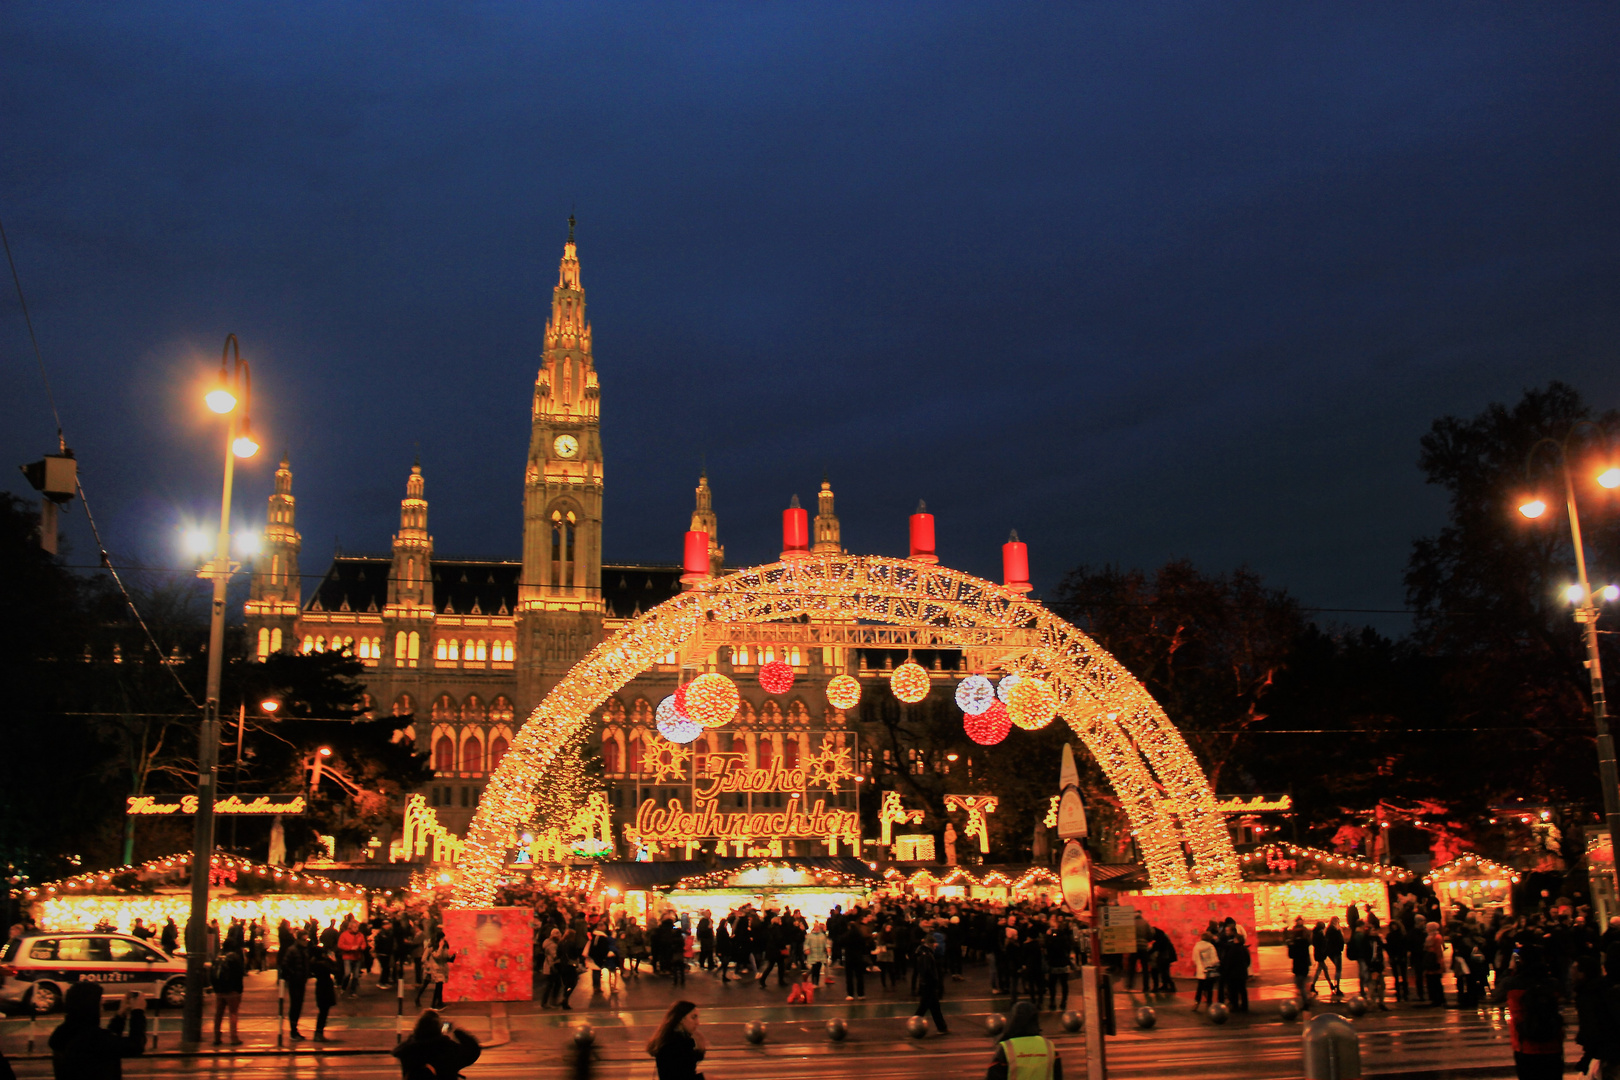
pixel 1586 610
pixel 232 388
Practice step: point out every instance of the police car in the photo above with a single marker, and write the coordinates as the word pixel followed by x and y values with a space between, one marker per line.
pixel 35 970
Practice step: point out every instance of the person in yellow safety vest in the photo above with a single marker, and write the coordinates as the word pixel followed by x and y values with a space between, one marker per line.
pixel 1023 1054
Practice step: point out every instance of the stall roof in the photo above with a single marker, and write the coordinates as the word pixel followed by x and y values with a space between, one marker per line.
pixel 387 876
pixel 642 876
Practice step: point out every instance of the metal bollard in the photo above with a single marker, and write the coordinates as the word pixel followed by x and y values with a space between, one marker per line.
pixel 1331 1049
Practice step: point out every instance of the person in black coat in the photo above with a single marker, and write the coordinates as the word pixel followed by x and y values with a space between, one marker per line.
pixel 436 1050
pixel 292 965
pixel 678 1047
pixel 325 969
pixel 81 1049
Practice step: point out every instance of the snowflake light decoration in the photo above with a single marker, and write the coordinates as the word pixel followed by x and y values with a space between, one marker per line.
pixel 830 765
pixel 669 762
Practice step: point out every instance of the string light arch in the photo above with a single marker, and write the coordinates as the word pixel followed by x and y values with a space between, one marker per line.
pixel 1178 826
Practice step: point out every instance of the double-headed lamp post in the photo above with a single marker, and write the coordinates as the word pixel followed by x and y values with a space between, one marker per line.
pixel 230 398
pixel 1586 611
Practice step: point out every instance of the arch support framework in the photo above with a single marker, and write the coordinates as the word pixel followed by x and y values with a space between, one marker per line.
pixel 1179 829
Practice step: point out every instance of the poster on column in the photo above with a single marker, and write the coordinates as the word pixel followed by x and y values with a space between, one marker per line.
pixel 492 954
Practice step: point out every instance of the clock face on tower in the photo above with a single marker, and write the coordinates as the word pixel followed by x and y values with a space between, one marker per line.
pixel 566 446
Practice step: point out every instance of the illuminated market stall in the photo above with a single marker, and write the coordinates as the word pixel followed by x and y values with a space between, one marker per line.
pixel 1007 884
pixel 1475 881
pixel 1289 882
pixel 159 890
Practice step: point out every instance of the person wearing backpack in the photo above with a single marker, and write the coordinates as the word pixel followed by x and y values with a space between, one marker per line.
pixel 1535 1020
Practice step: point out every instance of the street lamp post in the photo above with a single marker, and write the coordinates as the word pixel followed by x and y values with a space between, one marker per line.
pixel 1586 616
pixel 233 388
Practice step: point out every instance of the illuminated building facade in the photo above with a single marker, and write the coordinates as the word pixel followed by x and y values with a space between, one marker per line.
pixel 468 647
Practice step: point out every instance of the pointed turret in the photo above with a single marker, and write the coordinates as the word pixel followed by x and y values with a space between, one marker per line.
pixel 827 533
pixel 704 521
pixel 411 583
pixel 275 592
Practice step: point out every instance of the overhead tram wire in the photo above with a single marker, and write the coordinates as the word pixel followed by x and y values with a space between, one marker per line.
pixel 84 500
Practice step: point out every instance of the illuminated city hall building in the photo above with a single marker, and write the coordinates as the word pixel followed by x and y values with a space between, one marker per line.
pixel 468 647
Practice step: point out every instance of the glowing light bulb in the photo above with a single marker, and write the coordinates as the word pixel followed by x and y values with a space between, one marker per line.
pixel 1610 477
pixel 1611 592
pixel 1574 594
pixel 1534 508
pixel 244 446
pixel 220 400
pixel 198 542
pixel 247 543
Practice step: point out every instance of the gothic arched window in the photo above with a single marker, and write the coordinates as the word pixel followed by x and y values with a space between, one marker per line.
pixel 404 705
pixel 763 753
pixel 472 710
pixel 444 755
pixel 610 755
pixel 790 752
pixel 444 707
pixel 635 756
pixel 497 750
pixel 472 755
pixel 500 710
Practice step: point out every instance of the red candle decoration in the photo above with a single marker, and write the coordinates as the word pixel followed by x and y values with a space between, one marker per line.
pixel 695 563
pixel 776 677
pixel 795 531
pixel 1015 564
pixel 989 727
pixel 922 535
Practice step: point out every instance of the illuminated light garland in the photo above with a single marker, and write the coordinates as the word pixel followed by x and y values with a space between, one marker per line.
pixel 1165 795
pixel 989 727
pixel 975 695
pixel 1031 704
pixel 1327 859
pixel 818 875
pixel 712 700
pixel 282 875
pixel 776 677
pixel 1459 867
pixel 843 692
pixel 910 682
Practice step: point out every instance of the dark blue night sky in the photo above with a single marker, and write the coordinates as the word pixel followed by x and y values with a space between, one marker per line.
pixel 1139 280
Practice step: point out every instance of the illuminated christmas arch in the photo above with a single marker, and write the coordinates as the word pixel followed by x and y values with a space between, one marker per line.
pixel 1178 826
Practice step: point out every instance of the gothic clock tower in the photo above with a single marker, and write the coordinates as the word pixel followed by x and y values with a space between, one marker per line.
pixel 560 596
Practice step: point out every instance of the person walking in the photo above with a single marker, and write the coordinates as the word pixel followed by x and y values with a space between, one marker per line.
pixel 1299 960
pixel 677 1047
pixel 1023 1053
pixel 1234 949
pixel 81 1049
pixel 1206 969
pixel 1164 955
pixel 1535 1019
pixel 435 969
pixel 292 968
pixel 327 972
pixel 705 940
pixel 1059 946
pixel 1434 963
pixel 1319 954
pixel 815 951
pixel 857 954
pixel 350 943
pixel 228 976
pixel 436 1049
pixel 930 982
pixel 1395 949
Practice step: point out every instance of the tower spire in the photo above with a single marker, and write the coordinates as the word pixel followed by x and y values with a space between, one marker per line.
pixel 276 589
pixel 410 584
pixel 827 531
pixel 705 521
